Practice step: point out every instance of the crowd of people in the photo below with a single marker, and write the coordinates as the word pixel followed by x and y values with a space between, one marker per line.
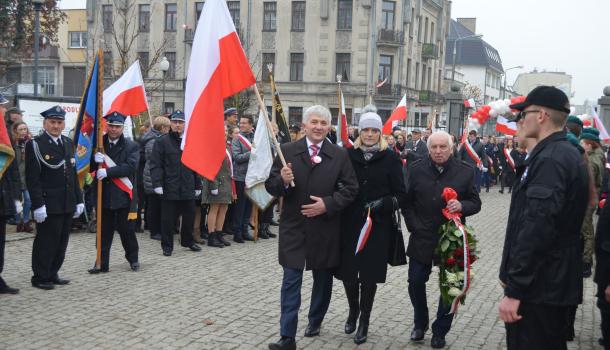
pixel 327 195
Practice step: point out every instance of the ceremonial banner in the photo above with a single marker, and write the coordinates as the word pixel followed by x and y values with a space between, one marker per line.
pixel 282 124
pixel 7 153
pixel 259 165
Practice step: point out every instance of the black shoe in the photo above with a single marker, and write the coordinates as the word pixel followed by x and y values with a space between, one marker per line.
pixel 501 191
pixel 205 235
pixel 135 266
pixel 487 189
pixel 43 285
pixel 312 331
pixel 213 241
pixel 350 324
pixel 155 237
pixel 194 247
pixel 247 237
pixel 437 342
pixel 262 234
pixel 167 253
pixel 285 343
pixel 417 334
pixel 238 239
pixel 271 234
pixel 8 290
pixel 273 223
pixel 60 281
pixel 95 271
pixel 586 273
pixel 361 334
pixel 222 239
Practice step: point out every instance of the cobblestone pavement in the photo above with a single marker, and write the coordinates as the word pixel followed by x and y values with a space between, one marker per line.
pixel 229 299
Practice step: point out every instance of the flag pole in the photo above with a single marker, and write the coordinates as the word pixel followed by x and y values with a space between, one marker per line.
pixel 272 83
pixel 100 148
pixel 278 149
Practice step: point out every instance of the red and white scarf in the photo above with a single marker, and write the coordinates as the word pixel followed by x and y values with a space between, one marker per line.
pixel 509 158
pixel 244 141
pixel 364 233
pixel 230 159
pixel 122 183
pixel 471 152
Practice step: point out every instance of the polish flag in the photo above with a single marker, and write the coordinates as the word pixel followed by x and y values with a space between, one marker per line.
pixel 400 113
pixel 343 135
pixel 126 95
pixel 364 233
pixel 218 69
pixel 597 123
pixel 506 127
pixel 469 103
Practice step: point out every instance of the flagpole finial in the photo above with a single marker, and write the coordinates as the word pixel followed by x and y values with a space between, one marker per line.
pixel 270 67
pixel 339 78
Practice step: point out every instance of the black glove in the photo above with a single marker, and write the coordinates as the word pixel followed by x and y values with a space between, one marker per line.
pixel 375 206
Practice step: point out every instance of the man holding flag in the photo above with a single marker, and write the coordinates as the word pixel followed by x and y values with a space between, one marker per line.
pixel 117 173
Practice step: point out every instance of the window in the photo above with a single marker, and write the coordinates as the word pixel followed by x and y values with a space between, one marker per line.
pixel 74 81
pixel 268 58
pixel 416 75
pixel 426 30
pixel 46 77
pixel 234 11
pixel 296 66
pixel 198 10
pixel 298 16
pixel 108 63
pixel 107 18
pixel 169 108
pixel 419 29
pixel 144 18
pixel 429 78
pixel 385 71
pixel 144 62
pixel 431 32
pixel 344 15
pixel 171 58
pixel 420 119
pixel 342 67
pixel 412 22
pixel 438 82
pixel 171 17
pixel 387 15
pixel 423 77
pixel 408 73
pixel 78 40
pixel 295 115
pixel 269 16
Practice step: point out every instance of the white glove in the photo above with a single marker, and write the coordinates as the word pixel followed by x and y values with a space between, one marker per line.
pixel 80 208
pixel 158 190
pixel 484 169
pixel 18 207
pixel 214 192
pixel 40 214
pixel 101 174
pixel 197 193
pixel 99 157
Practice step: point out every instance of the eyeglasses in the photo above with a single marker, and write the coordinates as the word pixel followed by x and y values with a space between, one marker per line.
pixel 523 114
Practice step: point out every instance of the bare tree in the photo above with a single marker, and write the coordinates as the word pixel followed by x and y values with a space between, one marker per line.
pixel 474 92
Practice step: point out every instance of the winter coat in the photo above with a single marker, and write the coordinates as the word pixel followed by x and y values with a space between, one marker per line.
pixel 10 188
pixel 379 178
pixel 478 149
pixel 542 256
pixel 19 148
pixel 222 183
pixel 602 257
pixel 148 141
pixel 241 156
pixel 312 243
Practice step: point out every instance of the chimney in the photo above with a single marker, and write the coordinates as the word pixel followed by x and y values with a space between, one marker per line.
pixel 470 23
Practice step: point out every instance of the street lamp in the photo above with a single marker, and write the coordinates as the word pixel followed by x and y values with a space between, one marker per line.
pixel 506 70
pixel 37 8
pixel 455 42
pixel 164 66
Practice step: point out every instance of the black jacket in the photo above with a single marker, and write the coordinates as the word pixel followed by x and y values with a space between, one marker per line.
pixel 602 256
pixel 168 171
pixel 416 150
pixel 542 257
pixel 479 149
pixel 10 187
pixel 125 155
pixel 57 189
pixel 424 204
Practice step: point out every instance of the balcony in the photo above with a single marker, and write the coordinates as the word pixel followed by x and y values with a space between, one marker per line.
pixel 427 96
pixel 429 51
pixel 389 92
pixel 390 37
pixel 47 51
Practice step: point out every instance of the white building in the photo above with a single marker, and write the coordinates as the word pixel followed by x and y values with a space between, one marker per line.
pixel 526 82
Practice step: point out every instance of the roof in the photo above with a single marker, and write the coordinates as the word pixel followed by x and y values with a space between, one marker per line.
pixel 472 51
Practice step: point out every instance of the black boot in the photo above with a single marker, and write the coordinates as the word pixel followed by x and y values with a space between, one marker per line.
pixel 262 231
pixel 367 296
pixel 213 241
pixel 352 293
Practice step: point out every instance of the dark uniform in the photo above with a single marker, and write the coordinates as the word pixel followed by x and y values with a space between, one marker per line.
pixel 179 187
pixel 53 187
pixel 116 202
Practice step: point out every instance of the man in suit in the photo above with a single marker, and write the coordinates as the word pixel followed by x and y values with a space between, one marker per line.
pixel 324 184
pixel 475 156
pixel 55 194
pixel 117 190
pixel 415 149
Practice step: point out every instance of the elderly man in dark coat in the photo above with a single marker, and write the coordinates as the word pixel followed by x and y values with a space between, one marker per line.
pixel 309 237
pixel 424 217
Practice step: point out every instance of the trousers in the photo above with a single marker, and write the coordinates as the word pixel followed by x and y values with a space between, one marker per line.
pixel 50 245
pixel 170 211
pixel 116 220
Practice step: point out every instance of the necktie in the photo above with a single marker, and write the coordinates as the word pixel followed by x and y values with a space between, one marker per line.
pixel 314 153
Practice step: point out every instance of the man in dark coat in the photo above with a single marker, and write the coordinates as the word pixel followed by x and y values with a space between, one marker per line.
pixel 415 149
pixel 424 217
pixel 309 236
pixel 117 190
pixel 602 271
pixel 56 197
pixel 541 269
pixel 177 185
pixel 475 156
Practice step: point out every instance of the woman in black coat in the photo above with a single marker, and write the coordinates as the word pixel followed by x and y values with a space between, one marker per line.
pixel 381 187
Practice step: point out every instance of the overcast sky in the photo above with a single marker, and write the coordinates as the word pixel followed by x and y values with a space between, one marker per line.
pixel 556 35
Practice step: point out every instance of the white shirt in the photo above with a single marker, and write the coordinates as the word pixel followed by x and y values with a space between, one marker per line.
pixel 309 144
pixel 55 139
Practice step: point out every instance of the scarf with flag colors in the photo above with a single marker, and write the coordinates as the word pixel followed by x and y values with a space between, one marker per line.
pixel 472 154
pixel 509 158
pixel 364 233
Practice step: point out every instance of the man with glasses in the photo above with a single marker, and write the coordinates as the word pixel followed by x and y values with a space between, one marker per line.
pixel 543 231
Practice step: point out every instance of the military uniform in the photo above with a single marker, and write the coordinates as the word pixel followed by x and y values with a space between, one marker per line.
pixel 117 202
pixel 55 194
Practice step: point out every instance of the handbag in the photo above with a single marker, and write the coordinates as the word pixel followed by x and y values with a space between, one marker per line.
pixel 396 251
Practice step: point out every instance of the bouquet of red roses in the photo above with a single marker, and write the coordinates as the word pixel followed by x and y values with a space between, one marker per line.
pixel 457 250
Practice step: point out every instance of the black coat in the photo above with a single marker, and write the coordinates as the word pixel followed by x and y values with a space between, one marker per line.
pixel 379 178
pixel 424 204
pixel 602 257
pixel 416 150
pixel 10 187
pixel 125 155
pixel 312 243
pixel 542 257
pixel 57 189
pixel 168 171
pixel 479 149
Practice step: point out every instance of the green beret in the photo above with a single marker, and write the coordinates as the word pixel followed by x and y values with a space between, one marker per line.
pixel 591 130
pixel 589 136
pixel 574 119
pixel 572 139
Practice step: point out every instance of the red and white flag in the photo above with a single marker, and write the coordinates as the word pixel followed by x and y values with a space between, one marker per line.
pixel 342 134
pixel 506 127
pixel 469 103
pixel 364 233
pixel 126 95
pixel 218 69
pixel 399 113
pixel 381 83
pixel 597 123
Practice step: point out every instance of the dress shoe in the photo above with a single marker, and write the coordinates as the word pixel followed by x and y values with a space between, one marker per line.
pixel 135 266
pixel 285 343
pixel 361 334
pixel 60 281
pixel 417 334
pixel 501 191
pixel 95 271
pixel 8 290
pixel 437 342
pixel 238 239
pixel 194 247
pixel 155 237
pixel 222 239
pixel 167 253
pixel 43 285
pixel 312 331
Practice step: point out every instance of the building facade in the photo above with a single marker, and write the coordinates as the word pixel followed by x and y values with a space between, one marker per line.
pixel 309 43
pixel 526 82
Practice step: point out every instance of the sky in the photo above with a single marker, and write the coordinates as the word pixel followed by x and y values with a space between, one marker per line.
pixel 554 35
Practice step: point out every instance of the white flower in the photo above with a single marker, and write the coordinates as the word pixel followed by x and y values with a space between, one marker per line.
pixel 451 277
pixel 454 292
pixel 460 276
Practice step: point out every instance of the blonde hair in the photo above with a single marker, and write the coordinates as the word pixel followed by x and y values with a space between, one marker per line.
pixel 160 122
pixel 383 144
